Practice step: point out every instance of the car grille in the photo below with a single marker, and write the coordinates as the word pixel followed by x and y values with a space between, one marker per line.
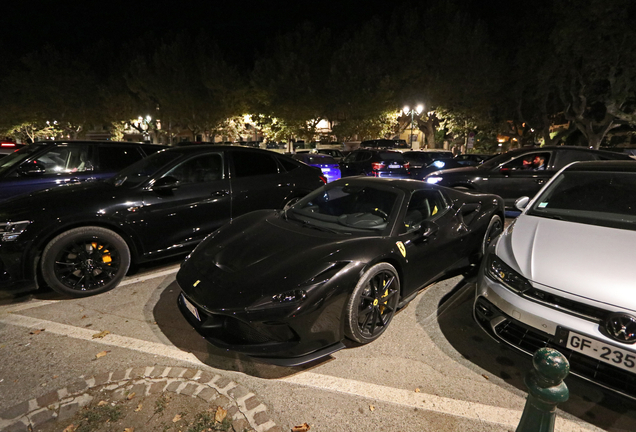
pixel 529 340
pixel 581 310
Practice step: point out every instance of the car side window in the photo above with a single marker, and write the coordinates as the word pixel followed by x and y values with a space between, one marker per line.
pixel 200 169
pixel 364 156
pixel 564 158
pixel 287 165
pixel 423 205
pixel 116 158
pixel 537 161
pixel 248 164
pixel 65 159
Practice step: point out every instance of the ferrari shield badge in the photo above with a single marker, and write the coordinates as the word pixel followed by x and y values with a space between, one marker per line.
pixel 401 247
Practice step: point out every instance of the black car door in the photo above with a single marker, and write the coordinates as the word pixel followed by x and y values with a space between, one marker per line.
pixel 520 176
pixel 258 182
pixel 177 216
pixel 430 245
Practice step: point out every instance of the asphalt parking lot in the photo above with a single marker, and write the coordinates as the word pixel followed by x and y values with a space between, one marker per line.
pixel 433 369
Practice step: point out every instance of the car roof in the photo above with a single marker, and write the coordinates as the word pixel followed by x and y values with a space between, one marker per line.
pixel 610 165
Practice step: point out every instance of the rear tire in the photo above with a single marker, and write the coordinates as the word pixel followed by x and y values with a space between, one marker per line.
pixel 85 261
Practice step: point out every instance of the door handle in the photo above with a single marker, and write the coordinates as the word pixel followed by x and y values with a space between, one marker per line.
pixel 540 181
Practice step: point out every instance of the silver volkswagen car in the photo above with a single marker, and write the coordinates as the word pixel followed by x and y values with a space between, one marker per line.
pixel 563 275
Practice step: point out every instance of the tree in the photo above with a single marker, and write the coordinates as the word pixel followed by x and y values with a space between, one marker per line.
pixel 594 65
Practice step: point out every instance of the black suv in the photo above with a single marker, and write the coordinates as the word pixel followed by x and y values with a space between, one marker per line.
pixel 80 239
pixel 375 163
pixel 518 173
pixel 52 163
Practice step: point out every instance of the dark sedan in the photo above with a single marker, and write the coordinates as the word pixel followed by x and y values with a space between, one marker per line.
pixel 375 163
pixel 521 172
pixel 289 285
pixel 82 238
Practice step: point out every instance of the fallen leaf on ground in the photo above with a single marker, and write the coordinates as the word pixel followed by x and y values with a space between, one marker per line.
pixel 35 332
pixel 129 429
pixel 130 396
pixel 371 408
pixel 220 414
pixel 176 418
pixel 101 334
pixel 101 354
pixel 102 403
pixel 70 428
pixel 417 390
pixel 302 428
pixel 138 408
pixel 55 376
pixel 84 316
pixel 485 376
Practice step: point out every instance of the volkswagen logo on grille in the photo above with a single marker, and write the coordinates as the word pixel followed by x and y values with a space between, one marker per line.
pixel 621 327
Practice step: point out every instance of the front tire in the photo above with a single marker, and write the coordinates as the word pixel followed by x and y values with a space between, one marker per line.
pixel 373 303
pixel 85 261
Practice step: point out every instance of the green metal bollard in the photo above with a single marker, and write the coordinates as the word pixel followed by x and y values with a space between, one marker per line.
pixel 546 389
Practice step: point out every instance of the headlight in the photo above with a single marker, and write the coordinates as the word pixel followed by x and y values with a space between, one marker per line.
pixel 279 300
pixel 11 230
pixel 498 270
pixel 433 180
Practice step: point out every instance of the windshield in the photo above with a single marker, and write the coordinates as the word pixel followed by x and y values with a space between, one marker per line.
pixel 14 159
pixel 597 198
pixel 346 209
pixel 143 170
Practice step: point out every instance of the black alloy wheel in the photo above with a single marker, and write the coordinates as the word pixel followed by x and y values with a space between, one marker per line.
pixel 373 303
pixel 495 227
pixel 85 261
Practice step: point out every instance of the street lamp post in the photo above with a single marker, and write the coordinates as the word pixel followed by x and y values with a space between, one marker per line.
pixel 417 110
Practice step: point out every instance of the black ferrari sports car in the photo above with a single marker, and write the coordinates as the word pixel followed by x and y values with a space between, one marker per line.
pixel 289 285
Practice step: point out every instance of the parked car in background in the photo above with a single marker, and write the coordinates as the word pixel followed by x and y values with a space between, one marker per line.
pixel 82 238
pixel 562 274
pixel 381 143
pixel 327 164
pixel 375 163
pixel 470 159
pixel 8 147
pixel 422 163
pixel 289 286
pixel 52 163
pixel 518 172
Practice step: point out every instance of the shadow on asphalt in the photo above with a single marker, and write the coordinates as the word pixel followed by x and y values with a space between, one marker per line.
pixel 174 326
pixel 587 401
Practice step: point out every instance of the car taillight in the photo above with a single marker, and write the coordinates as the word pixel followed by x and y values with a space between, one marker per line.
pixel 377 166
pixel 7 145
pixel 407 165
pixel 323 178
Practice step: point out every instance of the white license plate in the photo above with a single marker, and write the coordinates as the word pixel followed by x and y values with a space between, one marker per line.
pixel 191 308
pixel 601 351
pixel 395 166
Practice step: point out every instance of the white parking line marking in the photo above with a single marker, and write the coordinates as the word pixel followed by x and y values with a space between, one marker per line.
pixel 149 276
pixel 470 410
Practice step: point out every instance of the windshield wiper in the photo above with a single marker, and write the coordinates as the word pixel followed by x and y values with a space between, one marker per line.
pixel 321 228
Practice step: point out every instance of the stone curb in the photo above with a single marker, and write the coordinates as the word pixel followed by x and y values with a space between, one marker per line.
pixel 65 402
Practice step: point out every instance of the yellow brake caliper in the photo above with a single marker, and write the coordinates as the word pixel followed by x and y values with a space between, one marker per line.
pixel 386 294
pixel 106 258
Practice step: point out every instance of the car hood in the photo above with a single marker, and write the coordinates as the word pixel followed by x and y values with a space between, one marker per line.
pixel 584 260
pixel 255 257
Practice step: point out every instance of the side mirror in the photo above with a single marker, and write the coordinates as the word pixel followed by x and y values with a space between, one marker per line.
pixel 522 202
pixel 165 184
pixel 31 169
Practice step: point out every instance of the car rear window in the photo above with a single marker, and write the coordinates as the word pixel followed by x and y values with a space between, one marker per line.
pixel 392 156
pixel 247 164
pixel 319 160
